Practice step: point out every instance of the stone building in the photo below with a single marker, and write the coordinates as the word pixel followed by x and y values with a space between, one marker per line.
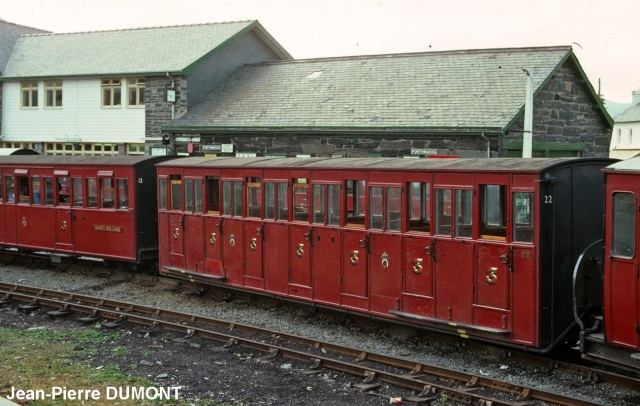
pixel 458 103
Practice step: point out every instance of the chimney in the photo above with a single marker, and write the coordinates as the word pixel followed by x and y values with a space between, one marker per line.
pixel 635 97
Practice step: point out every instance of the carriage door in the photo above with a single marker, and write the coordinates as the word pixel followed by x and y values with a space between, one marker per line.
pixel 453 252
pixel 176 222
pixel 325 241
pixel 493 277
pixel 254 234
pixel 193 223
pixel 232 230
pixel 64 215
pixel 3 219
pixel 276 233
pixel 355 243
pixel 212 227
pixel 300 251
pixel 386 260
pixel 418 269
pixel 622 293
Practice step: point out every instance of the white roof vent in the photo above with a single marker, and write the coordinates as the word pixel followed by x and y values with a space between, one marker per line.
pixel 315 75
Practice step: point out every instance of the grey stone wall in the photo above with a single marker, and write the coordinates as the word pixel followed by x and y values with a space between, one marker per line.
pixel 563 112
pixel 157 110
pixel 346 145
pixel 247 49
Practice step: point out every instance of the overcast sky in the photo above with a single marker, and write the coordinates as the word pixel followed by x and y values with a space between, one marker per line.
pixel 604 34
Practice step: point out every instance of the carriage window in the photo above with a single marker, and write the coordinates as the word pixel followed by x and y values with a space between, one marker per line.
pixel 188 195
pixel 254 197
pixel 333 196
pixel 35 188
pixel 355 203
pixel 213 194
pixel 300 199
pixel 23 189
pixel 375 207
pixel 237 199
pixel 394 195
pixel 232 198
pixel 226 198
pixel 64 198
pixel 1 195
pixel 197 196
pixel 176 192
pixel 11 193
pixel 123 194
pixel 193 195
pixel 419 207
pixel 318 204
pixel 163 193
pixel 283 201
pixel 443 211
pixel 464 210
pixel 107 193
pixel 48 190
pixel 523 217
pixel 77 191
pixel 92 192
pixel 493 212
pixel 269 201
pixel 623 225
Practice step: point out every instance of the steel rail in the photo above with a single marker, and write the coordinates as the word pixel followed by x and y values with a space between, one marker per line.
pixel 124 310
pixel 591 375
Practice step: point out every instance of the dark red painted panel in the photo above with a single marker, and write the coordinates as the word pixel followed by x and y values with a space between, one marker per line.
pixel 326 265
pixel 493 278
pixel 233 250
pixel 253 248
pixel 454 277
pixel 276 264
pixel 193 238
pixel 300 257
pixel 213 246
pixel 385 272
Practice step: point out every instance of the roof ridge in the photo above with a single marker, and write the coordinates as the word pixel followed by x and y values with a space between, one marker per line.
pixel 421 53
pixel 137 28
pixel 2 20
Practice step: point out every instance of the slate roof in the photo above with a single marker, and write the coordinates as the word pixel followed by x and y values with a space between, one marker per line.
pixel 631 114
pixel 9 34
pixel 473 90
pixel 144 51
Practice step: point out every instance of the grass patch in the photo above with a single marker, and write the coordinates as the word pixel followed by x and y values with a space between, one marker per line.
pixel 40 359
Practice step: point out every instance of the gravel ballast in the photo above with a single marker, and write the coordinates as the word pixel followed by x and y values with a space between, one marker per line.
pixel 347 331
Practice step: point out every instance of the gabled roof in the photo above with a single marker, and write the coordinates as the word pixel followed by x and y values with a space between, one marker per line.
pixel 456 91
pixel 630 115
pixel 144 51
pixel 9 34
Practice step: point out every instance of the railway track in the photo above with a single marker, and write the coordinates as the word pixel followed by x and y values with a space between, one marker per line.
pixel 428 381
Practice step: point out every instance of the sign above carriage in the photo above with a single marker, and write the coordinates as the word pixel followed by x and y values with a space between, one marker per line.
pixel 224 148
pixel 421 151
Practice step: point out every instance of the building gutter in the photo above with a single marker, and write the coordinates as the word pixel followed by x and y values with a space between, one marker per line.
pixel 312 131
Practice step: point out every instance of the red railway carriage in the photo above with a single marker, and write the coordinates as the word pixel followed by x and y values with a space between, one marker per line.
pixel 475 247
pixel 79 206
pixel 618 340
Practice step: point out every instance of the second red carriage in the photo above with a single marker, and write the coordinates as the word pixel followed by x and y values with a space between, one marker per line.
pixel 476 247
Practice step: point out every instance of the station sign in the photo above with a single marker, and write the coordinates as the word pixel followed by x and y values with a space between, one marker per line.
pixel 423 151
pixel 223 148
